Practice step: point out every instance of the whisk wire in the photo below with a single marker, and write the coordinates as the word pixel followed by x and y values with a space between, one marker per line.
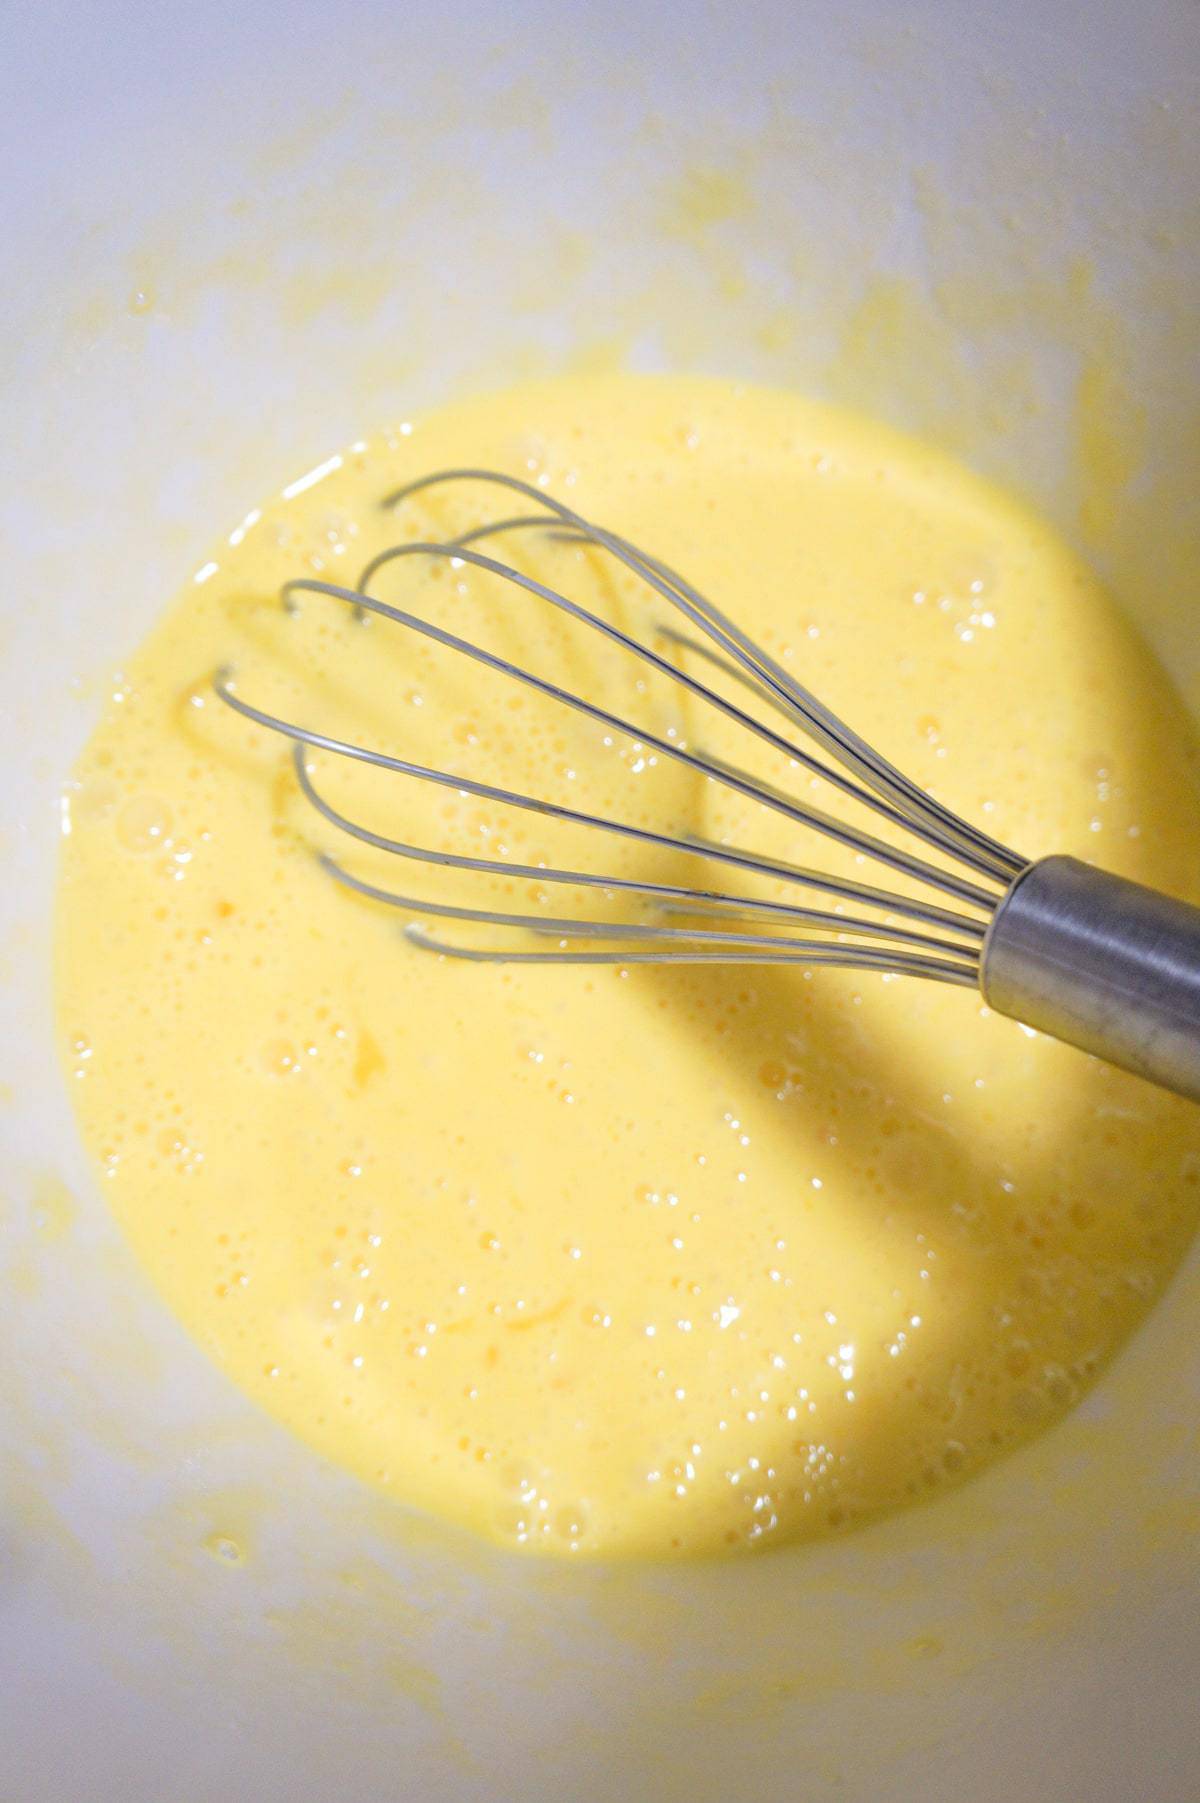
pixel 839 739
pixel 938 942
pixel 671 896
pixel 802 814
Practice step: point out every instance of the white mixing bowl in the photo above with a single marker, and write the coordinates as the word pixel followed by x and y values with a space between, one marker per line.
pixel 240 234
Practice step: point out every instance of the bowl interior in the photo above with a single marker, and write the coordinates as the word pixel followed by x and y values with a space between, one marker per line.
pixel 240 240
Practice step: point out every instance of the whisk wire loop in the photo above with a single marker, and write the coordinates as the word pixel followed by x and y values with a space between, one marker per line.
pixel 891 932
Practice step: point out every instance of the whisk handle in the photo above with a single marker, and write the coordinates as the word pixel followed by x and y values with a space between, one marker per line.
pixel 1102 963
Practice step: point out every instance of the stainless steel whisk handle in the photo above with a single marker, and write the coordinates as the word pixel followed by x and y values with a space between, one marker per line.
pixel 1102 963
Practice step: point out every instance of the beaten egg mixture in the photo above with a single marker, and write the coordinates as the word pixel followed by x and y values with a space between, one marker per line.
pixel 619 1261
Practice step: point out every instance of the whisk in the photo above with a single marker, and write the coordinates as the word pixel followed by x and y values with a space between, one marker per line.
pixel 1073 951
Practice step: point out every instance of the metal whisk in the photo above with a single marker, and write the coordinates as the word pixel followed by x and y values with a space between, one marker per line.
pixel 1073 951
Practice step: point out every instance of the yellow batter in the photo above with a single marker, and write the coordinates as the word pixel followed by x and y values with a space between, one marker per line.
pixel 620 1262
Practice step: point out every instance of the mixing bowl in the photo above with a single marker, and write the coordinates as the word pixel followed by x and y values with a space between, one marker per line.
pixel 239 235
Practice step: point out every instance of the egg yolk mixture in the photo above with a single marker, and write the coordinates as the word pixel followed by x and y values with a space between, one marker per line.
pixel 618 1260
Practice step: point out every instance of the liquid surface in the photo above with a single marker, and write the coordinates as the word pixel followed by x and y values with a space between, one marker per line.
pixel 619 1260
